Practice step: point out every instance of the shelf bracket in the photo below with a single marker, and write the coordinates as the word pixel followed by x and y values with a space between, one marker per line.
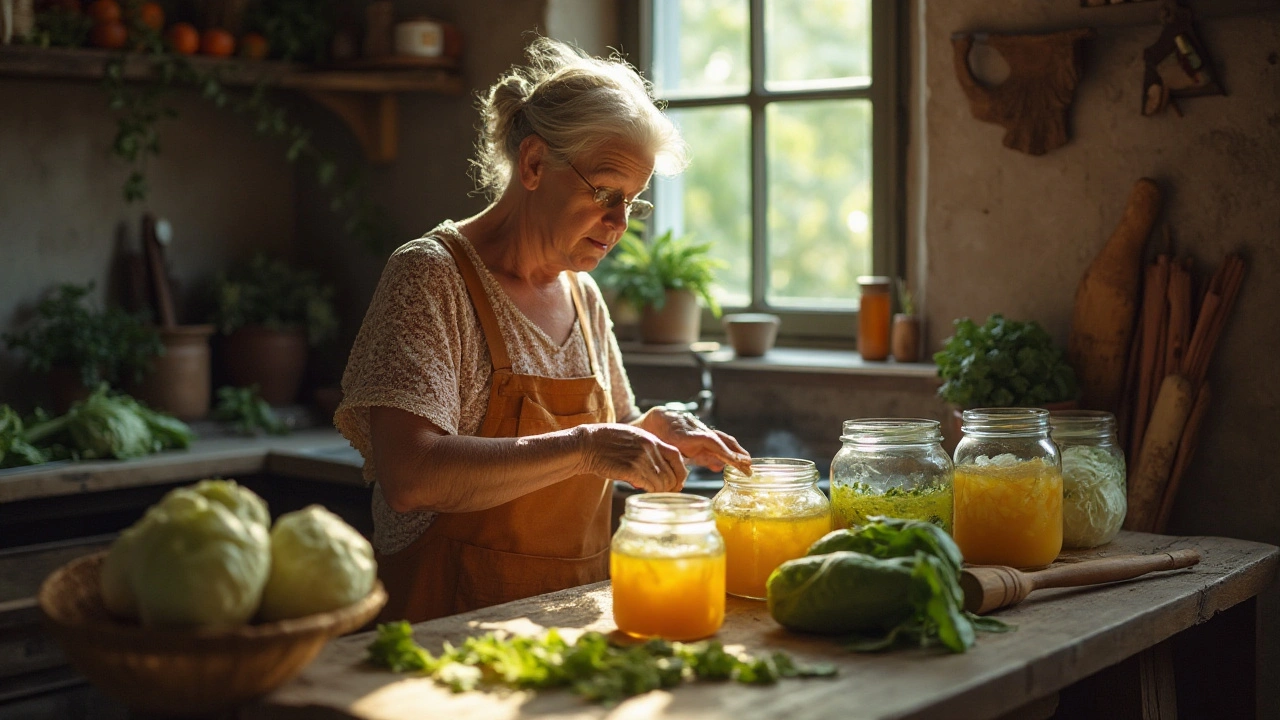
pixel 373 118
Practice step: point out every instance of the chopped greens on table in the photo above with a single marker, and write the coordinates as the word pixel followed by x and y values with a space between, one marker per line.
pixel 889 583
pixel 591 666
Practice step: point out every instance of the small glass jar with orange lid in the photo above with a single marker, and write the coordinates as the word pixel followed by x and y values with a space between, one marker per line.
pixel 875 311
pixel 1007 488
pixel 667 566
pixel 767 518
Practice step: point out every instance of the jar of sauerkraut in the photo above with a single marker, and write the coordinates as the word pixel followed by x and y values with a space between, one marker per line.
pixel 1007 488
pixel 1093 477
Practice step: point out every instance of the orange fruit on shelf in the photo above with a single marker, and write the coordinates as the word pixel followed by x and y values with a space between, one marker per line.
pixel 254 46
pixel 151 15
pixel 111 35
pixel 217 42
pixel 183 38
pixel 104 11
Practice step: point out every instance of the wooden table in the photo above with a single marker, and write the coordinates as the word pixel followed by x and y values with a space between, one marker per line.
pixel 1063 637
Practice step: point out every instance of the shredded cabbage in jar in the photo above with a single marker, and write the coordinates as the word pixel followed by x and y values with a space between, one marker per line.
pixel 1093 496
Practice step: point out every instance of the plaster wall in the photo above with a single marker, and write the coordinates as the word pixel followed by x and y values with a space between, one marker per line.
pixel 1006 232
pixel 63 216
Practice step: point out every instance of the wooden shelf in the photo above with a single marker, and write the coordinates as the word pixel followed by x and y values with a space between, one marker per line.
pixel 365 99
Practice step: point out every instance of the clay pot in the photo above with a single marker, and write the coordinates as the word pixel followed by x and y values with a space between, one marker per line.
pixel 905 338
pixel 274 360
pixel 678 322
pixel 751 334
pixel 180 383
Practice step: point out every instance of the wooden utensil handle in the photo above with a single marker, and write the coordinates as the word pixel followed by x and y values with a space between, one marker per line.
pixel 1111 569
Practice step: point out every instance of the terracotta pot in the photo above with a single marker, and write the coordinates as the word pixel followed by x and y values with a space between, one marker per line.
pixel 180 383
pixel 274 360
pixel 905 338
pixel 751 334
pixel 678 322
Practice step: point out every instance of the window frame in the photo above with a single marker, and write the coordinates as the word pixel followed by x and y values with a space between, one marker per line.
pixel 887 159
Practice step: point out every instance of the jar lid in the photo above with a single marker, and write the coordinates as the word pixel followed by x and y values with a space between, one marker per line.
pixel 1004 421
pixel 1082 423
pixel 874 282
pixel 892 431
pixel 668 508
pixel 774 473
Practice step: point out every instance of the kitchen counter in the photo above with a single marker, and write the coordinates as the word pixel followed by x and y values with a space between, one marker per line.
pixel 1062 637
pixel 317 454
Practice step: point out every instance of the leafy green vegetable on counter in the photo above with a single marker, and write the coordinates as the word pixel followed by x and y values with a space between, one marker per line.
pixel 16 448
pixel 591 666
pixel 1003 363
pixel 246 409
pixel 887 584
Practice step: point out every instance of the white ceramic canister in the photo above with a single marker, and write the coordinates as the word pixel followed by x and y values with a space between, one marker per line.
pixel 419 37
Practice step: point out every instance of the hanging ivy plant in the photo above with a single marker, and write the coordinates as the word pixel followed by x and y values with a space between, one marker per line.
pixel 140 107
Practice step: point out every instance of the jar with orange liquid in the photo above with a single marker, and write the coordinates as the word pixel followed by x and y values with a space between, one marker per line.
pixel 767 518
pixel 874 313
pixel 667 565
pixel 1007 488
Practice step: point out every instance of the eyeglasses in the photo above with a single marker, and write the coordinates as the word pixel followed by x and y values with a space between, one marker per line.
pixel 609 198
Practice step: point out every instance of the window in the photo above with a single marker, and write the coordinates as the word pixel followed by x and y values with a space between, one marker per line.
pixel 790 109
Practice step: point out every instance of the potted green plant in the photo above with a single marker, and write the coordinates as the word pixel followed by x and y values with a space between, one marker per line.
pixel 269 313
pixel 663 280
pixel 1002 363
pixel 904 339
pixel 80 346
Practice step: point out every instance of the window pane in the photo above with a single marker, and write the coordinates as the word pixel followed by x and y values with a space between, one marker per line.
pixel 819 228
pixel 700 47
pixel 712 199
pixel 817 43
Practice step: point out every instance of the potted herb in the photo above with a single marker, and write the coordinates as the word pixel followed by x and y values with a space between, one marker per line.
pixel 905 335
pixel 270 312
pixel 79 346
pixel 1003 363
pixel 663 280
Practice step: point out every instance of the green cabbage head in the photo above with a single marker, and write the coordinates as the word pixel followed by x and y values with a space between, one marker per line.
pixel 195 563
pixel 240 500
pixel 318 563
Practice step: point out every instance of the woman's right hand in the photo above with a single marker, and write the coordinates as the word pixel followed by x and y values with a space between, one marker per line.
pixel 632 455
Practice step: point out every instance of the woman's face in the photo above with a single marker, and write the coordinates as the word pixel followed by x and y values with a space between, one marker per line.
pixel 583 232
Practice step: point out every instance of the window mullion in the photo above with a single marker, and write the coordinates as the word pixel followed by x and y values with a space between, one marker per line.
pixel 759 169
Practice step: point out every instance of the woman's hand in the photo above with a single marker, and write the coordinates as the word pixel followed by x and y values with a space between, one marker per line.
pixel 701 444
pixel 632 455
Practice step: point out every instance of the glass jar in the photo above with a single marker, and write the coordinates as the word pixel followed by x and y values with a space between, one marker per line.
pixel 1008 488
pixel 891 467
pixel 768 518
pixel 667 567
pixel 874 312
pixel 1093 477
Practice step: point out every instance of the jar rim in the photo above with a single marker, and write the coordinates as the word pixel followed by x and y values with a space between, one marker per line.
pixel 668 508
pixel 1082 423
pixel 1004 421
pixel 772 472
pixel 891 431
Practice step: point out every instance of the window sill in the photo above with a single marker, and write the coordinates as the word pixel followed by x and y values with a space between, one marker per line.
pixel 779 359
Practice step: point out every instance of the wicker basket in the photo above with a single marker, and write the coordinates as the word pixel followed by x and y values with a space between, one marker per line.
pixel 183 672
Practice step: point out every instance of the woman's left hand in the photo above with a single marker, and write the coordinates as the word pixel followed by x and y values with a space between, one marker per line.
pixel 701 444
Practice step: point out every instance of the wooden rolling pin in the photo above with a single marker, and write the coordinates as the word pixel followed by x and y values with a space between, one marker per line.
pixel 992 587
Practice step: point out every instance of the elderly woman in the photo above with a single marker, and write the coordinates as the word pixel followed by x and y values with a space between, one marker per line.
pixel 485 389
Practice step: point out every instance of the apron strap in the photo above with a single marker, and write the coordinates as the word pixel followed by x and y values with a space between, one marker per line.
pixel 585 324
pixel 480 300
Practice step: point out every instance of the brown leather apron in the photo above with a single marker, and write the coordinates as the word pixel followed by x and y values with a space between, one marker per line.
pixel 547 540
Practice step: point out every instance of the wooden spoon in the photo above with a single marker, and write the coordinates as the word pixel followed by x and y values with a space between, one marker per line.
pixel 992 587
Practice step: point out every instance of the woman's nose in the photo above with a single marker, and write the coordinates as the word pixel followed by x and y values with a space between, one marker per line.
pixel 616 218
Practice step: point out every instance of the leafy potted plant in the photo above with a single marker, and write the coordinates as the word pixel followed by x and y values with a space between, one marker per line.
pixel 664 281
pixel 79 346
pixel 905 335
pixel 270 312
pixel 1003 363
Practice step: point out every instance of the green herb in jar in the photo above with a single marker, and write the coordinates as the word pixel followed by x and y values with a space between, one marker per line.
pixel 856 503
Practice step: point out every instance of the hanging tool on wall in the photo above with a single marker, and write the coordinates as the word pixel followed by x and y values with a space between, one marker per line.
pixel 1177 65
pixel 1032 102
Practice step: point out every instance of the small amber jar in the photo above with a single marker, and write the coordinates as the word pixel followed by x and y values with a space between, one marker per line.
pixel 768 518
pixel 874 313
pixel 667 566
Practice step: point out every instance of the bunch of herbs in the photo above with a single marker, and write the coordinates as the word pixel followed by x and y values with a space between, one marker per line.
pixel 1003 363
pixel 245 409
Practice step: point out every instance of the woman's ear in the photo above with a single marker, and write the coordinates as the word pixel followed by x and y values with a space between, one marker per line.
pixel 533 161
